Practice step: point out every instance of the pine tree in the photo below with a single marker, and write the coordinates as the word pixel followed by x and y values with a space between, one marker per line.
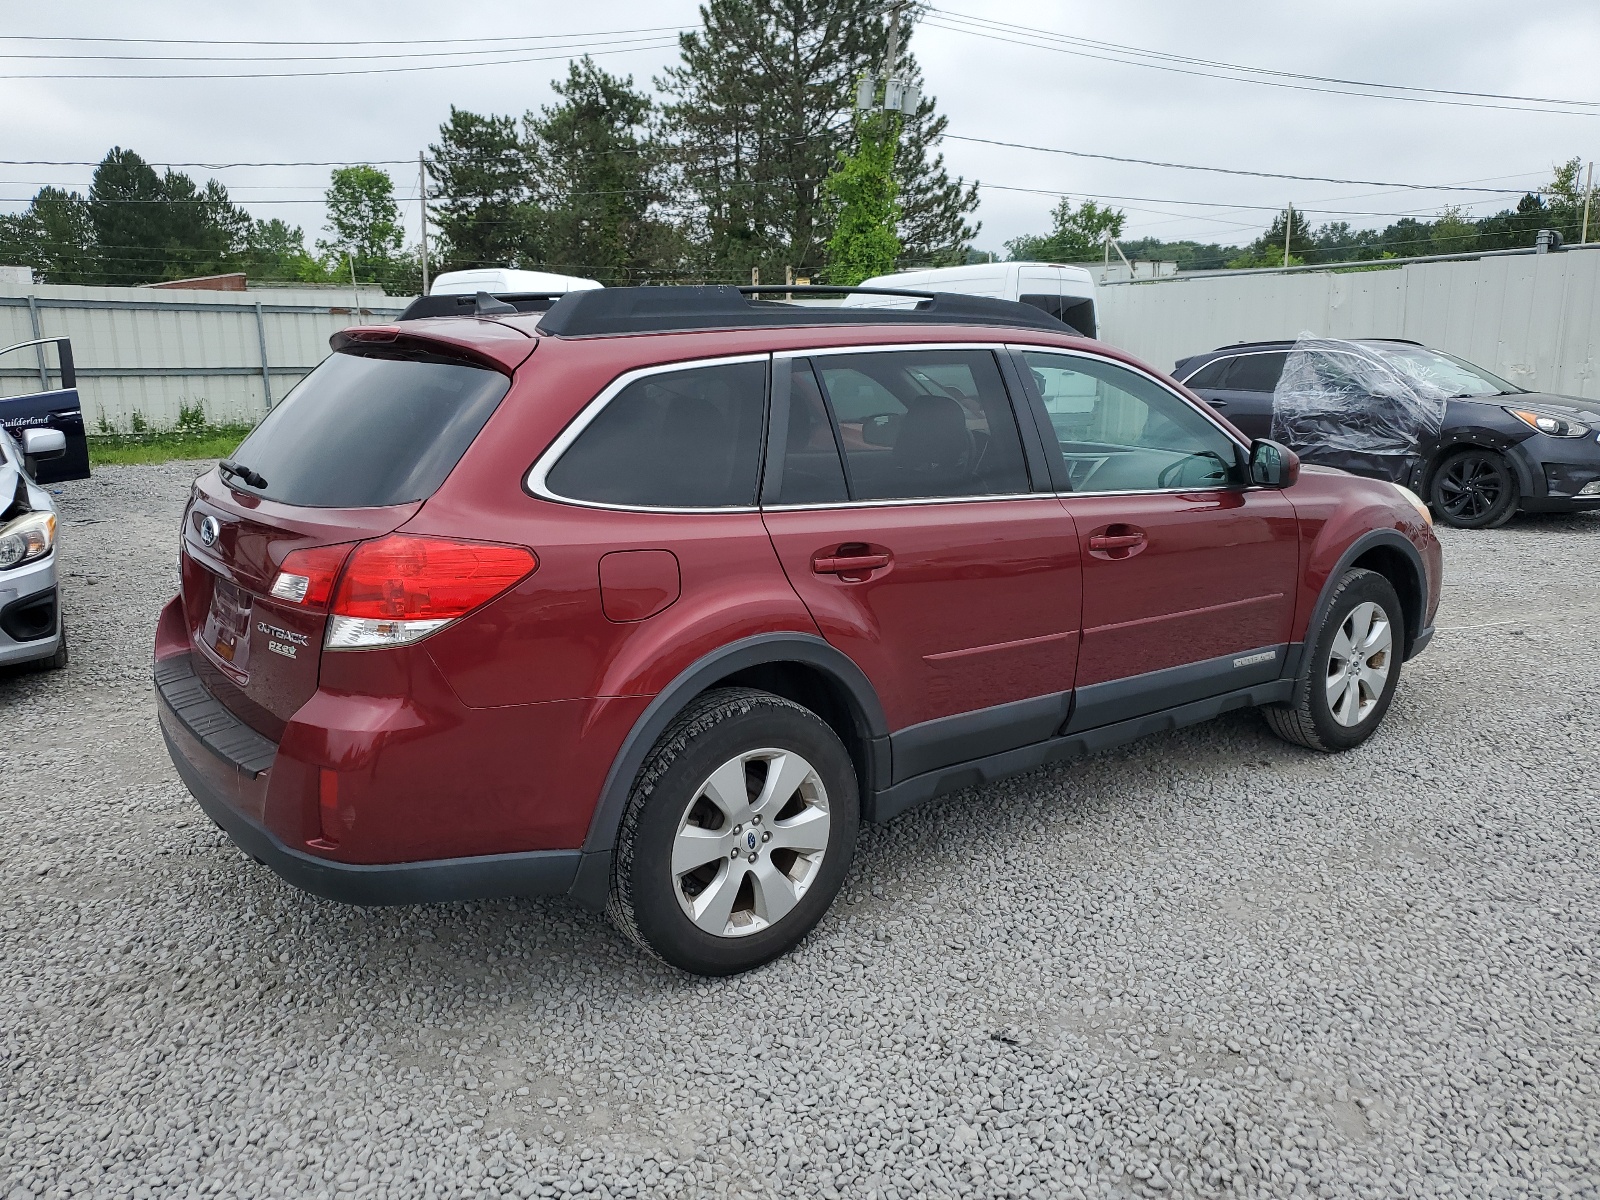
pixel 598 178
pixel 758 113
pixel 483 207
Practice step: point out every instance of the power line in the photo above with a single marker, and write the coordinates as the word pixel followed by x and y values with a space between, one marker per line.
pixel 272 58
pixel 644 44
pixel 431 41
pixel 1149 162
pixel 1064 44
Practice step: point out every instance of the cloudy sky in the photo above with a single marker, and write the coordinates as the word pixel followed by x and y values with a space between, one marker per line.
pixel 1015 84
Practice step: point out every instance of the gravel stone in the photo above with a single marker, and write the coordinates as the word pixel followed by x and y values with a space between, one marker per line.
pixel 1209 964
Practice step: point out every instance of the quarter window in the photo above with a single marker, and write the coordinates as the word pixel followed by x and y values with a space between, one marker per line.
pixel 1118 431
pixel 679 439
pixel 1210 375
pixel 924 423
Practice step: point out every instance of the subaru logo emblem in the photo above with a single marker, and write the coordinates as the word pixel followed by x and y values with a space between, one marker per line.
pixel 210 531
pixel 750 840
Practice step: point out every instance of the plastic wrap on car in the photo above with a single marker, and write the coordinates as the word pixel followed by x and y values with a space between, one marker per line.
pixel 1337 398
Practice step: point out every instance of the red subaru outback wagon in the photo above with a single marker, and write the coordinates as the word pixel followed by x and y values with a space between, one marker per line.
pixel 652 597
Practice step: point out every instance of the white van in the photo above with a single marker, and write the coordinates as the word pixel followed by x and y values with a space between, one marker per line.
pixel 1066 293
pixel 502 281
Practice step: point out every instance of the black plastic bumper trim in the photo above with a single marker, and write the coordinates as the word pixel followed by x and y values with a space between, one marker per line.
pixel 435 881
pixel 212 725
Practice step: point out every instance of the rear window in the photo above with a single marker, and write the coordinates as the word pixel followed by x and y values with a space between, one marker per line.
pixel 363 432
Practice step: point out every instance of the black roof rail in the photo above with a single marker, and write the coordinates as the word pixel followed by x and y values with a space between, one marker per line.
pixel 453 305
pixel 602 311
pixel 1289 342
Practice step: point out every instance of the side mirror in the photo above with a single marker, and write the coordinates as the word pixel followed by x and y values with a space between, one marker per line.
pixel 1273 465
pixel 43 443
pixel 880 430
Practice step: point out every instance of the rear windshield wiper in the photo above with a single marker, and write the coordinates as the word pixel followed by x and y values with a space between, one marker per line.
pixel 228 467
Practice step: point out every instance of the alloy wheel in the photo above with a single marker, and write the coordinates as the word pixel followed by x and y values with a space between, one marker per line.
pixel 750 842
pixel 1471 485
pixel 1358 664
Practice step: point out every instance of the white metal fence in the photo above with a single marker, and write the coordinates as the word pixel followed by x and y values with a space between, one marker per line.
pixel 152 351
pixel 1533 319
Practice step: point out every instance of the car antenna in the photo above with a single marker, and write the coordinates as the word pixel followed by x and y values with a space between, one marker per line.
pixel 488 306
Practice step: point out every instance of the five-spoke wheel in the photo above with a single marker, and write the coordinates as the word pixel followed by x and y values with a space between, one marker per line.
pixel 1358 664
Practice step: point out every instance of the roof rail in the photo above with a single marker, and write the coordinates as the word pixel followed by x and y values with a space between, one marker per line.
pixel 466 305
pixel 606 311
pixel 1291 341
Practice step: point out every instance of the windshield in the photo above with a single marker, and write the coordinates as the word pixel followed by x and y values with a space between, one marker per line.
pixel 1449 374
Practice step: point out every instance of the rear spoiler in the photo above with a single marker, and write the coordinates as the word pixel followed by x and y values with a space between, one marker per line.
pixel 469 305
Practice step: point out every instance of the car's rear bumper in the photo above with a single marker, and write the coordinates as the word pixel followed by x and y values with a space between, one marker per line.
pixel 29 595
pixel 531 873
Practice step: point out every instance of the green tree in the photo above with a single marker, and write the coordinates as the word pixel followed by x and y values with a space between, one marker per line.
pixel 861 192
pixel 1077 235
pixel 149 227
pixel 481 193
pixel 757 113
pixel 364 221
pixel 276 250
pixel 1453 233
pixel 598 178
pixel 54 236
pixel 935 229
pixel 1267 250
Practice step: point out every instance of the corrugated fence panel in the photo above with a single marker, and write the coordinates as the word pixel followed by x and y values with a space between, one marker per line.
pixel 1534 319
pixel 155 351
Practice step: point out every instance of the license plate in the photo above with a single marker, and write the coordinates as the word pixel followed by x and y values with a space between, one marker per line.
pixel 227 628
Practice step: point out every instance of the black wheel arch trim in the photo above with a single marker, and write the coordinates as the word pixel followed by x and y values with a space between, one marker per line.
pixel 1530 481
pixel 1371 540
pixel 765 649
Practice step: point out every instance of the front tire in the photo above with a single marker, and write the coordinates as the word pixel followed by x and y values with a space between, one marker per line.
pixel 1474 489
pixel 1354 664
pixel 738 833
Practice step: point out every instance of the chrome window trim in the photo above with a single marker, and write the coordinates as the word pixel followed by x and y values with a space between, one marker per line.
pixel 1228 358
pixel 536 479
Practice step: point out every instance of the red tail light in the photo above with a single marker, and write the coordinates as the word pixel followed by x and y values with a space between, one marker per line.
pixel 307 576
pixel 406 578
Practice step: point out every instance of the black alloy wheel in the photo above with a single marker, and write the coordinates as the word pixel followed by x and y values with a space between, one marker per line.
pixel 1474 489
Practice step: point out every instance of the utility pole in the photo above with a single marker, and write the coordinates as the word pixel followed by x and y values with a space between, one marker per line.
pixel 893 47
pixel 422 202
pixel 355 291
pixel 1288 228
pixel 1588 195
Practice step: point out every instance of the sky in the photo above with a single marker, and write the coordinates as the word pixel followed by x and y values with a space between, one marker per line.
pixel 989 85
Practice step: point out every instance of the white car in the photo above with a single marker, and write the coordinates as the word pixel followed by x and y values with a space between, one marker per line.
pixel 31 631
pixel 1066 293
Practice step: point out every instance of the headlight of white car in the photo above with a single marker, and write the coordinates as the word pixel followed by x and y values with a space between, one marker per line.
pixel 1416 502
pixel 28 537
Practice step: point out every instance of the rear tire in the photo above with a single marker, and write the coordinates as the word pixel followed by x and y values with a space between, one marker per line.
pixel 737 835
pixel 1474 489
pixel 1353 665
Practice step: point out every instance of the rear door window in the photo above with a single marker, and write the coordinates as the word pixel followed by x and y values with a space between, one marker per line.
pixel 677 439
pixel 1255 372
pixel 924 423
pixel 363 431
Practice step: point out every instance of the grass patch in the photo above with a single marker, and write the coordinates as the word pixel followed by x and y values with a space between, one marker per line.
pixel 152 446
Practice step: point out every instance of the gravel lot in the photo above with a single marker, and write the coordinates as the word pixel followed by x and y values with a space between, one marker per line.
pixel 1206 964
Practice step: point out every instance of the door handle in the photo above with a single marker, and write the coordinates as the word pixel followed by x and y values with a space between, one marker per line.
pixel 841 564
pixel 1217 403
pixel 1116 541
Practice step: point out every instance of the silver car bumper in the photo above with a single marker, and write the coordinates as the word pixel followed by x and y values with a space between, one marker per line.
pixel 18 587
